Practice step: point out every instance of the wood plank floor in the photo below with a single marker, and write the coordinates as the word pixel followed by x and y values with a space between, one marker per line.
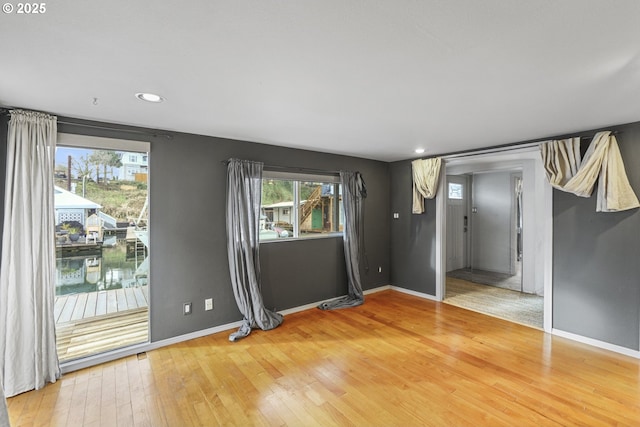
pixel 396 360
pixel 94 322
pixel 507 304
pixel 101 333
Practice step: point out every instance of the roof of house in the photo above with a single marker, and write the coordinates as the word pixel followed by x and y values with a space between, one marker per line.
pixel 279 205
pixel 64 199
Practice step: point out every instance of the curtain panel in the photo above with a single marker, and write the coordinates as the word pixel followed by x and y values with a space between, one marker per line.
pixel 425 181
pixel 244 193
pixel 4 413
pixel 354 191
pixel 28 357
pixel 602 162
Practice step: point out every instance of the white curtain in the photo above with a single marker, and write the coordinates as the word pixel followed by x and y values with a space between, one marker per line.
pixel 561 160
pixel 425 181
pixel 4 414
pixel 602 161
pixel 28 357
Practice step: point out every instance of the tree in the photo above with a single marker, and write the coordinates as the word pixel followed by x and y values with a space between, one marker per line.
pixel 104 158
pixel 275 191
pixel 82 167
pixel 115 161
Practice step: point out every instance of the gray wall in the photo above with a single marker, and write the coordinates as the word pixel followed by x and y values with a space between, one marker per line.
pixel 188 258
pixel 413 237
pixel 596 269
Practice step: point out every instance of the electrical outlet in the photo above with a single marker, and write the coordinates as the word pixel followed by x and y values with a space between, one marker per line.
pixel 208 304
pixel 186 308
pixel 379 269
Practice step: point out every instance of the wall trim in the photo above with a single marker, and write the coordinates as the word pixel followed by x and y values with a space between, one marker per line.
pixel 415 293
pixel 597 343
pixel 378 289
pixel 502 161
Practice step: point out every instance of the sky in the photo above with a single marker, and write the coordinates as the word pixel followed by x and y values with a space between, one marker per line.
pixel 63 152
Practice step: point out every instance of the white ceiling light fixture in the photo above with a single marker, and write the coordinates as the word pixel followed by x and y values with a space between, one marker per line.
pixel 149 97
pixel 419 150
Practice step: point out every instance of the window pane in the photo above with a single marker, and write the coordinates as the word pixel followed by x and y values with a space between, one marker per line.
pixel 276 220
pixel 455 191
pixel 300 209
pixel 317 209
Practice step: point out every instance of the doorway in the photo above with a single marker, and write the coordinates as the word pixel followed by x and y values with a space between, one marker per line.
pixel 501 240
pixel 102 267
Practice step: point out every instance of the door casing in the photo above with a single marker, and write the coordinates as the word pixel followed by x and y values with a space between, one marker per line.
pixel 537 213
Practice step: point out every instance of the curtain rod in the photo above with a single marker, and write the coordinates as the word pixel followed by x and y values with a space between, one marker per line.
pixel 293 169
pixel 7 110
pixel 510 147
pixel 134 131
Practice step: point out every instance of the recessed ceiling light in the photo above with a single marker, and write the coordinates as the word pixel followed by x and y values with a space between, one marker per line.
pixel 149 97
pixel 419 150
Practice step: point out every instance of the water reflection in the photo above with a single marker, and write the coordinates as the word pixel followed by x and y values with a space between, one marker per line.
pixel 111 269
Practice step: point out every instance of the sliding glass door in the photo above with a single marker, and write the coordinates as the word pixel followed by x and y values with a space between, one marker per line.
pixel 102 245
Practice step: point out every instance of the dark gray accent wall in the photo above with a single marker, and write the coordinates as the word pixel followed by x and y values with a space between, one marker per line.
pixel 188 253
pixel 596 268
pixel 293 284
pixel 413 237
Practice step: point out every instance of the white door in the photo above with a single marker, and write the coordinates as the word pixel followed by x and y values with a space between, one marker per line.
pixel 457 221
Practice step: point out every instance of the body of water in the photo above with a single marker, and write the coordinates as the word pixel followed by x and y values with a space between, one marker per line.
pixel 109 270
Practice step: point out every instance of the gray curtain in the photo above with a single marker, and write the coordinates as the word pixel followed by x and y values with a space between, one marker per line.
pixel 353 193
pixel 244 185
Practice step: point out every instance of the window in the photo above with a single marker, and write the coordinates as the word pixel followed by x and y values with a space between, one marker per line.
pixel 300 206
pixel 455 191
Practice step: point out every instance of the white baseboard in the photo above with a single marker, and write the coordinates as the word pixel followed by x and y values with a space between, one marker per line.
pixel 597 343
pixel 316 304
pixel 378 289
pixel 414 293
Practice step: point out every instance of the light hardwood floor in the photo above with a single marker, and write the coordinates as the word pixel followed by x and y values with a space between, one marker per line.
pixel 396 360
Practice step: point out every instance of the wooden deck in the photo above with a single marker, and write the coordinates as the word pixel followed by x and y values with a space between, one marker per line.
pixel 94 322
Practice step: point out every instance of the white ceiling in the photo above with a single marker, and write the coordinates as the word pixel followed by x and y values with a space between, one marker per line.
pixel 369 78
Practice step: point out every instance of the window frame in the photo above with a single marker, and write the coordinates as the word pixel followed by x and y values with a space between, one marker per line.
pixel 459 186
pixel 296 178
